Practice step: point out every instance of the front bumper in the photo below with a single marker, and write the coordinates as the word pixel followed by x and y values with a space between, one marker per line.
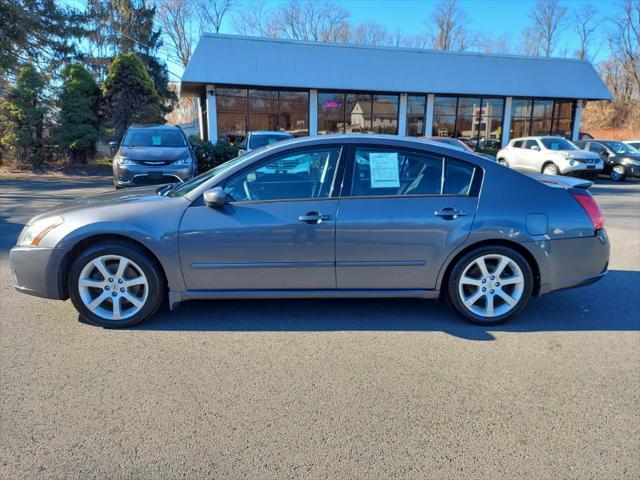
pixel 580 169
pixel 632 170
pixel 36 271
pixel 574 262
pixel 138 175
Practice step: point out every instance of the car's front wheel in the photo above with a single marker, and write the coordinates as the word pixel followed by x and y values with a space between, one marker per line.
pixel 550 169
pixel 115 284
pixel 490 285
pixel 617 173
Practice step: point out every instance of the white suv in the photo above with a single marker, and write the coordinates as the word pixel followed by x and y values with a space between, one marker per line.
pixel 549 155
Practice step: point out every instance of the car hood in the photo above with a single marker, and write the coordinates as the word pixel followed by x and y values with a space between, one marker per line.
pixel 632 156
pixel 113 201
pixel 581 154
pixel 165 154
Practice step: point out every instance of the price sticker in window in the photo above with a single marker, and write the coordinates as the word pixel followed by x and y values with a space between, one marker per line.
pixel 384 170
pixel 156 140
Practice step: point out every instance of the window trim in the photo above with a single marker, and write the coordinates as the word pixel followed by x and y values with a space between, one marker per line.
pixel 336 182
pixel 347 178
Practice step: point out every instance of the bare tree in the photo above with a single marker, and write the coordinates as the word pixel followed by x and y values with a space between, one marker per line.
pixel 449 27
pixel 489 43
pixel 531 42
pixel 586 27
pixel 311 20
pixel 212 14
pixel 624 41
pixel 175 17
pixel 254 19
pixel 371 33
pixel 548 18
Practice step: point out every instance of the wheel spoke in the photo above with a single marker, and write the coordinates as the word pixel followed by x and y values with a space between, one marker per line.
pixel 516 279
pixel 504 261
pixel 134 281
pixel 136 302
pixel 122 266
pixel 465 280
pixel 473 298
pixel 90 282
pixel 482 266
pixel 96 302
pixel 506 297
pixel 489 307
pixel 102 268
pixel 116 308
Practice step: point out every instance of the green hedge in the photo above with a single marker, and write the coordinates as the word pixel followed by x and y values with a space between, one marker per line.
pixel 210 155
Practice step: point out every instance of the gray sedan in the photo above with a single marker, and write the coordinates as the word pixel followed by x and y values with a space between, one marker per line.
pixel 329 216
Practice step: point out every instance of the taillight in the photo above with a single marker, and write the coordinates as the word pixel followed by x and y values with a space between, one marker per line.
pixel 591 207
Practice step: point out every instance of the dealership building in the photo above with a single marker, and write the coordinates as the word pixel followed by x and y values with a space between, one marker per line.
pixel 245 84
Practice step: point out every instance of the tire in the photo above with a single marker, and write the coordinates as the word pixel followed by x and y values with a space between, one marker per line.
pixel 461 290
pixel 503 162
pixel 617 173
pixel 550 169
pixel 139 288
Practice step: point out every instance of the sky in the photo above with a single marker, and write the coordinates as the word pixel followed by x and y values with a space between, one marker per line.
pixel 490 17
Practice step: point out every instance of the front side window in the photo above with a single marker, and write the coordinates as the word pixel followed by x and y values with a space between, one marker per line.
pixel 154 138
pixel 531 145
pixel 306 174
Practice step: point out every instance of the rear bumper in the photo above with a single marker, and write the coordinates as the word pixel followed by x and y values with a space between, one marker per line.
pixel 35 271
pixel 573 262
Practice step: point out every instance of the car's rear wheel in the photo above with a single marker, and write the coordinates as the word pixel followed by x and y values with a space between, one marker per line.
pixel 617 173
pixel 490 285
pixel 550 169
pixel 115 284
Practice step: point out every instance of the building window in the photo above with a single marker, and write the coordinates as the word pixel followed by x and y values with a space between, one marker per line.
pixel 416 112
pixel 477 121
pixel 357 112
pixel 242 110
pixel 541 117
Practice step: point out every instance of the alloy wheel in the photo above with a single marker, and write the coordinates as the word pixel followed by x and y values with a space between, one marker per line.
pixel 617 173
pixel 113 287
pixel 491 285
pixel 550 170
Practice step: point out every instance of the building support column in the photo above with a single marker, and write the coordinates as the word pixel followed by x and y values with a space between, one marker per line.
pixel 428 116
pixel 200 114
pixel 402 115
pixel 313 112
pixel 577 115
pixel 212 114
pixel 506 122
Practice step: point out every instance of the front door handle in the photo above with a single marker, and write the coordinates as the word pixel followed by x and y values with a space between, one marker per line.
pixel 314 217
pixel 449 213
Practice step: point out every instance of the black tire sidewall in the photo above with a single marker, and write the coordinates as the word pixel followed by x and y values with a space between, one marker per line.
pixel 155 282
pixel 453 295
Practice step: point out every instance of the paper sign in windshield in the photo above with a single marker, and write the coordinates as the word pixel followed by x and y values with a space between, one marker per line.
pixel 157 140
pixel 384 170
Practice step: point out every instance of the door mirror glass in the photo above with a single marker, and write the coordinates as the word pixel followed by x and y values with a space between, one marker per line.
pixel 113 146
pixel 214 197
pixel 535 147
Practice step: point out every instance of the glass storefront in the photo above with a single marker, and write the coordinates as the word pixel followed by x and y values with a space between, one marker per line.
pixel 345 112
pixel 242 110
pixel 541 117
pixel 416 113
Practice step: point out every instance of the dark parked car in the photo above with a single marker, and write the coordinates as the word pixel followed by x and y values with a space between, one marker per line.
pixel 368 216
pixel 153 154
pixel 620 160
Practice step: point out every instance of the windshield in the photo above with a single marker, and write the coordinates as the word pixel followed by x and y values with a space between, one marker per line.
pixel 558 144
pixel 154 138
pixel 257 141
pixel 619 147
pixel 183 188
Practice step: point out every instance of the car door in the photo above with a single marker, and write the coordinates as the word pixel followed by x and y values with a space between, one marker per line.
pixel 598 148
pixel 277 231
pixel 532 156
pixel 516 152
pixel 401 213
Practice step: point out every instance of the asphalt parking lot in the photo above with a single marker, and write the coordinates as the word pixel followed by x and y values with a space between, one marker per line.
pixel 323 389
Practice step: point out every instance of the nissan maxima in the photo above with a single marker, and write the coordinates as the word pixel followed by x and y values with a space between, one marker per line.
pixel 369 216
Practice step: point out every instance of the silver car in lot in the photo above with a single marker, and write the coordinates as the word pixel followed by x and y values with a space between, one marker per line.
pixel 372 216
pixel 153 154
pixel 549 155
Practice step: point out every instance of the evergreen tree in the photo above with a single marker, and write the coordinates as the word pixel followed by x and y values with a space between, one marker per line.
pixel 127 26
pixel 22 116
pixel 130 95
pixel 79 104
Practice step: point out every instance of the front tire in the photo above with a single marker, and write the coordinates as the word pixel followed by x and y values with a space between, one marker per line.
pixel 490 285
pixel 550 169
pixel 617 173
pixel 115 284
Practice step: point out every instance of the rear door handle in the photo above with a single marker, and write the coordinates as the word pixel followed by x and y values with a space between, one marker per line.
pixel 314 217
pixel 449 213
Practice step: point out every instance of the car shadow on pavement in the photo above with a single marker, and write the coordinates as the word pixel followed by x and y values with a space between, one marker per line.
pixel 609 305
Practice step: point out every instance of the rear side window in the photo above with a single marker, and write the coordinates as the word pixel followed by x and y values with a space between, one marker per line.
pixel 403 173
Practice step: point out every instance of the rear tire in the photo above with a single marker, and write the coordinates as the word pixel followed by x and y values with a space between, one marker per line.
pixel 116 284
pixel 550 169
pixel 506 278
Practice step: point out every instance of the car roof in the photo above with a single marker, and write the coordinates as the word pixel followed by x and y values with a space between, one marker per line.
pixel 154 126
pixel 269 132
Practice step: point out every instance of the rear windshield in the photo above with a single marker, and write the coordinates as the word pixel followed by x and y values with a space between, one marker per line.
pixel 154 138
pixel 257 141
pixel 558 144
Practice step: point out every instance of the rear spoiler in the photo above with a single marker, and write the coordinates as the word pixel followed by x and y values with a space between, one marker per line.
pixel 558 181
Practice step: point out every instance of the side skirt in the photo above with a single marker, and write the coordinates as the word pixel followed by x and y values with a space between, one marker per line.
pixel 176 298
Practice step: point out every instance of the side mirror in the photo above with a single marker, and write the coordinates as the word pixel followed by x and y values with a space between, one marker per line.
pixel 536 148
pixel 113 146
pixel 214 197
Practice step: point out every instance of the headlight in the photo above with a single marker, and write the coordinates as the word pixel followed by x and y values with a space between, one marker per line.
pixel 630 161
pixel 34 233
pixel 184 160
pixel 122 160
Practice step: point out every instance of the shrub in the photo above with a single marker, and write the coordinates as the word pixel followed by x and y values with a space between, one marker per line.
pixel 210 155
